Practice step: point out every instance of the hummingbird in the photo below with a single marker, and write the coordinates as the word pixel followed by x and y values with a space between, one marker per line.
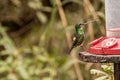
pixel 78 39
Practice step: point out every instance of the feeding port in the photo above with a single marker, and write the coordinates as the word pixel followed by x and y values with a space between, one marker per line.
pixel 105 45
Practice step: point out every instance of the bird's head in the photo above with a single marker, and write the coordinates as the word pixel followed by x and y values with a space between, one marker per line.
pixel 77 26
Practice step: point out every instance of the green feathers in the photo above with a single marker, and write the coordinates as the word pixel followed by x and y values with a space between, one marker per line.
pixel 79 37
pixel 79 29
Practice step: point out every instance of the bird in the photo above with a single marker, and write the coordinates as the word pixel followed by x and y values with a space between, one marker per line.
pixel 78 39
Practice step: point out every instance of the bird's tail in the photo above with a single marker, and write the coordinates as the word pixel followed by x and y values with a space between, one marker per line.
pixel 70 49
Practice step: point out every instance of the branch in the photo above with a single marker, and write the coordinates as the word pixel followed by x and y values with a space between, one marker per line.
pixel 68 36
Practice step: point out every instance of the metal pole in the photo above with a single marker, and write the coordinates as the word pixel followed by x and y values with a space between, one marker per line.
pixel 117 71
pixel 112 9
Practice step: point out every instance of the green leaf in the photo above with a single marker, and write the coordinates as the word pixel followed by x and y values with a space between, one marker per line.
pixel 97 72
pixel 35 4
pixel 103 78
pixel 42 17
pixel 107 68
pixel 22 72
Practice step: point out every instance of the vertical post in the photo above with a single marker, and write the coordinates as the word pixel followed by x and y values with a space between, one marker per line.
pixel 117 71
pixel 112 9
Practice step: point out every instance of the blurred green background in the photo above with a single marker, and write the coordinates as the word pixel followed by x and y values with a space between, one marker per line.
pixel 35 36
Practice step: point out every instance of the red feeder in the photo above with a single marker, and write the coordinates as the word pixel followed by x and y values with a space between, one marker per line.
pixel 105 45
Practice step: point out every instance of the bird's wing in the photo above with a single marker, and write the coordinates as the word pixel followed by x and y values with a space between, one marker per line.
pixel 74 44
pixel 75 40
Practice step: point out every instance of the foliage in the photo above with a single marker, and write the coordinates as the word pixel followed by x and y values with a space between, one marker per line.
pixel 33 44
pixel 29 63
pixel 106 74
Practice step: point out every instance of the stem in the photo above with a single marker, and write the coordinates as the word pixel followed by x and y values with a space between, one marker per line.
pixel 90 9
pixel 116 71
pixel 68 36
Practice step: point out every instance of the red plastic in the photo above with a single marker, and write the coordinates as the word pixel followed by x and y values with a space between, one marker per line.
pixel 105 45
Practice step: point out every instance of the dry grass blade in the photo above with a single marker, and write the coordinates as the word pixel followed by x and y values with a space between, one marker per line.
pixel 90 27
pixel 88 6
pixel 68 36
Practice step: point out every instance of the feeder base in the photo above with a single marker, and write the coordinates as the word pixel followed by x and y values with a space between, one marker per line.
pixel 88 57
